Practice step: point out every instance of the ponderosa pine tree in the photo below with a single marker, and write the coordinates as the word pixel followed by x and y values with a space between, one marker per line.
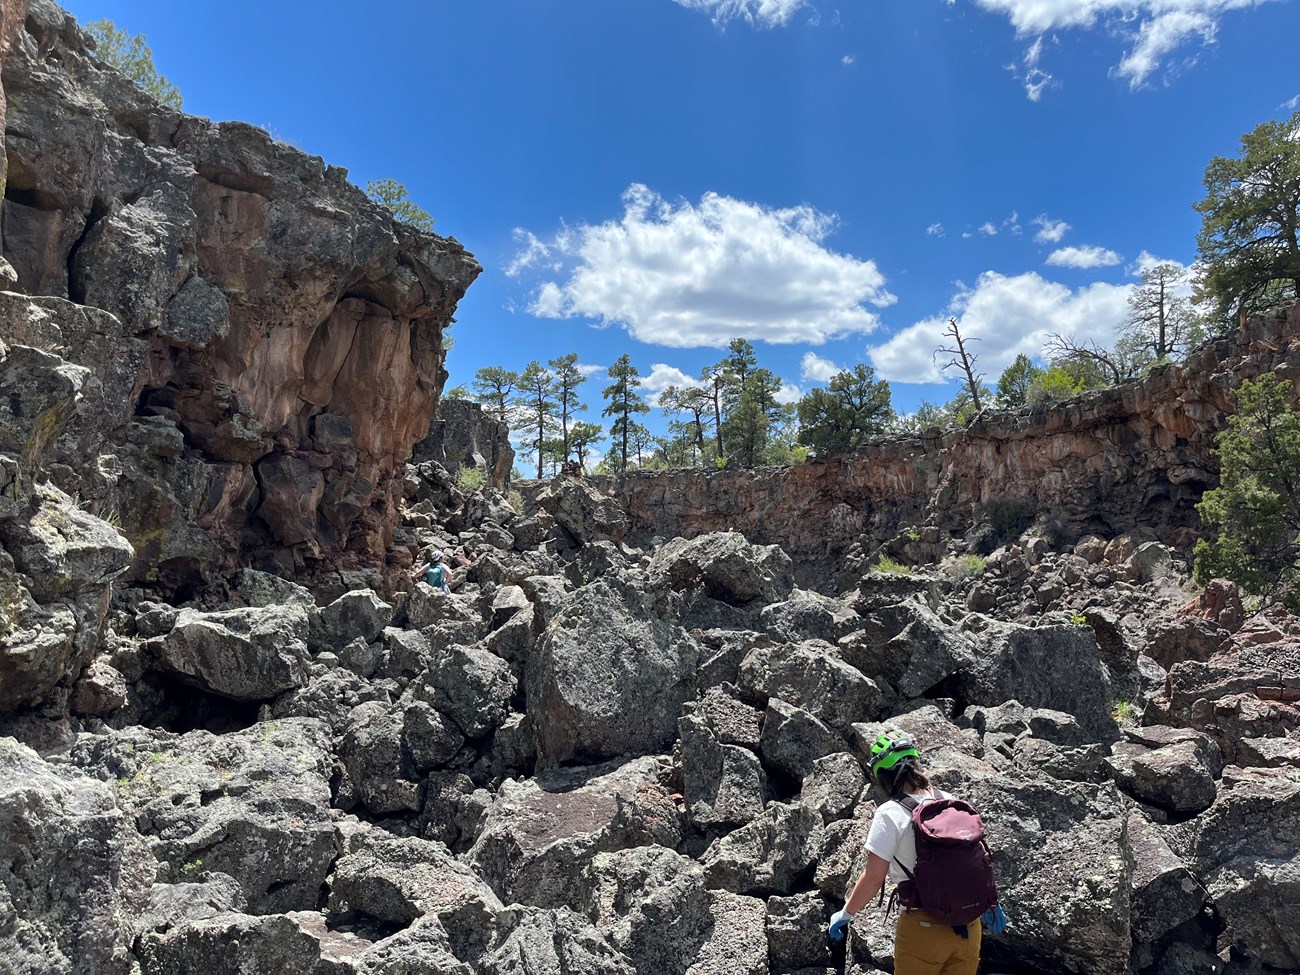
pixel 624 403
pixel 494 388
pixel 567 380
pixel 535 401
pixel 1249 244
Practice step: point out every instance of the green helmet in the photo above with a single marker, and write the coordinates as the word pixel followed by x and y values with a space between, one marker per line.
pixel 890 749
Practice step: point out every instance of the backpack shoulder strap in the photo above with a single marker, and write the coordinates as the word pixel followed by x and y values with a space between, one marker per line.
pixel 907 802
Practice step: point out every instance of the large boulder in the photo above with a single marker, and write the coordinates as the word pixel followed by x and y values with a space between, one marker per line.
pixel 399 880
pixel 535 940
pixel 1246 850
pixel 722 783
pixel 73 870
pixel 253 804
pixel 725 567
pixel 541 833
pixel 907 645
pixel 57 565
pixel 248 654
pixel 608 678
pixel 1057 667
pixel 468 684
pixel 583 513
pixel 811 676
pixel 770 855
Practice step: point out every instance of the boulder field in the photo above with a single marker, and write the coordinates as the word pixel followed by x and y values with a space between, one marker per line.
pixel 596 757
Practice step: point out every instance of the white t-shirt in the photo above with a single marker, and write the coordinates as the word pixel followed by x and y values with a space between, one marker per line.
pixel 891 836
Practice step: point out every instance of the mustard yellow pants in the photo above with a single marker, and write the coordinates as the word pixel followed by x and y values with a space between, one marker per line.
pixel 923 946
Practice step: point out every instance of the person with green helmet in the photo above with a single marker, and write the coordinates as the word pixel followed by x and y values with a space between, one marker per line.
pixel 922 945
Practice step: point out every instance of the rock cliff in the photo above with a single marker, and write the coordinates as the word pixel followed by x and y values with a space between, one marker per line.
pixel 1103 463
pixel 264 343
pixel 462 435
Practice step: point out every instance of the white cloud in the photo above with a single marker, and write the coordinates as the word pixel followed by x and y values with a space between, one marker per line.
pixel 760 13
pixel 788 393
pixel 592 370
pixel 934 230
pixel 660 377
pixel 549 302
pixel 847 60
pixel 689 275
pixel 532 252
pixel 1291 104
pixel 1158 38
pixel 1088 256
pixel 1010 316
pixel 988 230
pixel 1012 223
pixel 1050 231
pixel 815 369
pixel 1156 27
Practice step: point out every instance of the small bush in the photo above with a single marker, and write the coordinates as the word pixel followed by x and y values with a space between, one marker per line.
pixel 1124 714
pixel 886 564
pixel 469 479
pixel 971 567
pixel 516 501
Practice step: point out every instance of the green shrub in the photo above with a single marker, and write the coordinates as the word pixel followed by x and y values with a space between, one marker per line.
pixel 971 567
pixel 469 479
pixel 886 564
pixel 516 501
pixel 1124 714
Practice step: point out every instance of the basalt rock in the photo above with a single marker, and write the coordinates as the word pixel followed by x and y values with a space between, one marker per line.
pixel 273 344
pixel 463 435
pixel 73 870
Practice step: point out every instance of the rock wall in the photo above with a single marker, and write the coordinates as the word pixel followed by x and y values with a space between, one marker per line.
pixel 264 342
pixel 462 435
pixel 1104 462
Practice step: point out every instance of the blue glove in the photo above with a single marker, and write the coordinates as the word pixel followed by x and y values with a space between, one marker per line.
pixel 995 920
pixel 839 926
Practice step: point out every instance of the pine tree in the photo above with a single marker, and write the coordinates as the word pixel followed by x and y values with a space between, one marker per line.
pixel 624 403
pixel 131 55
pixel 567 380
pixel 536 389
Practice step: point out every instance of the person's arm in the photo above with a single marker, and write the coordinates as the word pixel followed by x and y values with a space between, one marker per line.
pixel 869 884
pixel 419 570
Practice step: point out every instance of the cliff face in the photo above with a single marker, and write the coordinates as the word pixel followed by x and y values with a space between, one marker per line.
pixel 1104 462
pixel 273 344
pixel 462 435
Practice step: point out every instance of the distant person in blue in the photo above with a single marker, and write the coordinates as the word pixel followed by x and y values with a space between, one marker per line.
pixel 434 571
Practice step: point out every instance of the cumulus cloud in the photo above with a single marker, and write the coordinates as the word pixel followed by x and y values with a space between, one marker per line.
pixel 1088 256
pixel 689 275
pixel 934 230
pixel 1010 315
pixel 756 13
pixel 788 393
pixel 815 369
pixel 988 230
pixel 660 377
pixel 846 60
pixel 1049 231
pixel 1156 28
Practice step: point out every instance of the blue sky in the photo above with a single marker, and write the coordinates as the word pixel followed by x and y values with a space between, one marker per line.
pixel 830 181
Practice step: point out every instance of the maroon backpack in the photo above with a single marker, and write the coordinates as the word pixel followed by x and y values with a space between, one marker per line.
pixel 953 882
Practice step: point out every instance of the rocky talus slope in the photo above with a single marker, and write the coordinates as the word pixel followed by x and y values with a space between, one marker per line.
pixel 234 738
pixel 595 758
